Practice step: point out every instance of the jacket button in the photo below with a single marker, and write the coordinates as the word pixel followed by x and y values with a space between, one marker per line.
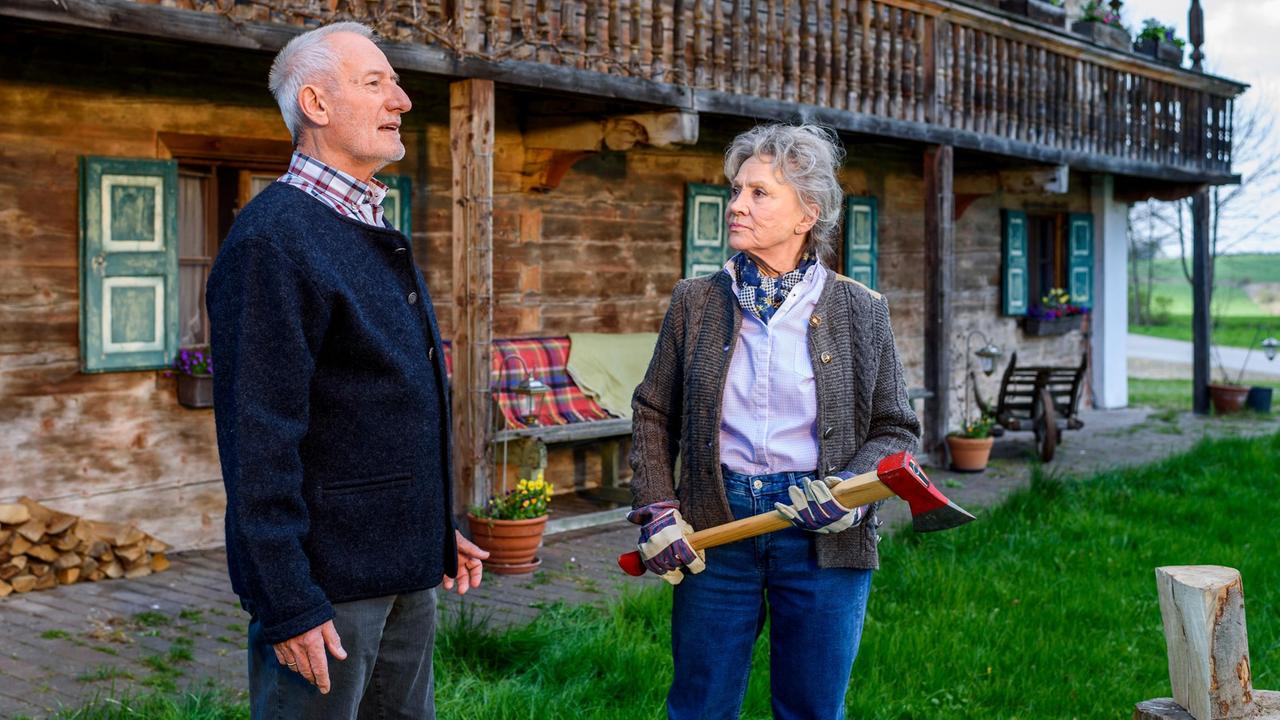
pixel 827 433
pixel 413 298
pixel 815 321
pixel 826 358
pixel 431 353
pixel 831 468
pixel 401 251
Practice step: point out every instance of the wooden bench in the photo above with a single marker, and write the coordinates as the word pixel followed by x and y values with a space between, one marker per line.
pixel 525 447
pixel 568 418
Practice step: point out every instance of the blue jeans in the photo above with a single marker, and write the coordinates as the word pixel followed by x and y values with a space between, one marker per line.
pixel 815 618
pixel 387 673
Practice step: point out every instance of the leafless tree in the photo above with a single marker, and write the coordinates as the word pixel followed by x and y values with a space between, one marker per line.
pixel 1256 154
pixel 1235 210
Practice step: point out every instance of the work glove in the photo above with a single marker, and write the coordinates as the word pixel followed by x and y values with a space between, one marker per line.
pixel 815 509
pixel 664 542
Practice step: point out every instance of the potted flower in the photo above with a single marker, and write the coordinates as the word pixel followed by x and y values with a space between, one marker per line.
pixel 970 446
pixel 510 526
pixel 1101 26
pixel 1158 41
pixel 1230 397
pixel 1050 12
pixel 194 368
pixel 1055 314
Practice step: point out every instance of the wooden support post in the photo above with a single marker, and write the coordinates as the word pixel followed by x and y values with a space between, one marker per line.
pixel 471 142
pixel 1202 607
pixel 939 261
pixel 1201 292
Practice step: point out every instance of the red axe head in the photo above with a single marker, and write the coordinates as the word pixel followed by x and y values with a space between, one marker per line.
pixel 930 509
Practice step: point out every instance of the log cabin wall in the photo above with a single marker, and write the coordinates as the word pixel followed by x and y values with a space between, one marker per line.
pixel 110 446
pixel 598 253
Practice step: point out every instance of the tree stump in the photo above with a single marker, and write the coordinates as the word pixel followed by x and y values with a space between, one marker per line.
pixel 1202 608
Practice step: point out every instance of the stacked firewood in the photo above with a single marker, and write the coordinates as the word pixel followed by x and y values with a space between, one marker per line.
pixel 41 548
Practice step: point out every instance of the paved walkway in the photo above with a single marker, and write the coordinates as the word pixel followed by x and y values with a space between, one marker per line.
pixel 183 628
pixel 1178 353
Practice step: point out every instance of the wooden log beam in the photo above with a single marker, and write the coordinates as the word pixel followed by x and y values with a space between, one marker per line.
pixel 939 259
pixel 1202 607
pixel 1201 292
pixel 471 143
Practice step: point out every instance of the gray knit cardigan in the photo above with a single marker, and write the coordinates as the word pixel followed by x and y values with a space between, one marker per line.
pixel 863 411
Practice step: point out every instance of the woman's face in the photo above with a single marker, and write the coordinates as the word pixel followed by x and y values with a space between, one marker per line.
pixel 765 215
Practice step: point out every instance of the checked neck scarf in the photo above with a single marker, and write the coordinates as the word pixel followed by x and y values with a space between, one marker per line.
pixel 761 295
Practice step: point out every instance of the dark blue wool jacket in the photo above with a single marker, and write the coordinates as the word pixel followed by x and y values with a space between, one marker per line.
pixel 332 413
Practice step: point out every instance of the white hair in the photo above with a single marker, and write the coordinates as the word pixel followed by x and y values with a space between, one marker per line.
pixel 808 158
pixel 307 59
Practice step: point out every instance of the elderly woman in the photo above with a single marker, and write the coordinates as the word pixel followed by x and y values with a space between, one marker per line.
pixel 768 378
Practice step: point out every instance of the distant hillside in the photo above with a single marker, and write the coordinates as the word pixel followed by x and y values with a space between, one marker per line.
pixel 1248 267
pixel 1247 296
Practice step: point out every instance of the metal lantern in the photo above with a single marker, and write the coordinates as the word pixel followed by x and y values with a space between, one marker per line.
pixel 529 393
pixel 988 355
pixel 1269 347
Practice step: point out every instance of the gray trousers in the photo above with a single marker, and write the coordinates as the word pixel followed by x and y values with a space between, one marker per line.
pixel 387 673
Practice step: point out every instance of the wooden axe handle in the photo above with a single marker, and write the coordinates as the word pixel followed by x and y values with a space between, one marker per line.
pixel 854 492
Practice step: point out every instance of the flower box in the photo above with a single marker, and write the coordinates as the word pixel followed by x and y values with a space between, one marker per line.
pixel 1057 326
pixel 1162 50
pixel 1108 36
pixel 195 391
pixel 1038 10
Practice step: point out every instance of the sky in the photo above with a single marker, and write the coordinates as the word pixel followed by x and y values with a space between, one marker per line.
pixel 1242 42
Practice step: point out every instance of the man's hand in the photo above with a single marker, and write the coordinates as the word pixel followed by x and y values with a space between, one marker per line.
pixel 304 654
pixel 470 567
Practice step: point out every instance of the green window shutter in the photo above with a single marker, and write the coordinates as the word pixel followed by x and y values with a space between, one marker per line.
pixel 1014 283
pixel 1080 263
pixel 861 239
pixel 397 204
pixel 706 234
pixel 128 263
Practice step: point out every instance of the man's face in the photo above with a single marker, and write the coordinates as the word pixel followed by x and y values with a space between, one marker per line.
pixel 366 104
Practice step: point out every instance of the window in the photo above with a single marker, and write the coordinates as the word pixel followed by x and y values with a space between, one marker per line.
pixel 1041 251
pixel 209 197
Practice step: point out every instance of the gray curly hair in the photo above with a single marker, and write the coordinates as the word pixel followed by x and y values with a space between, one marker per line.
pixel 308 58
pixel 808 158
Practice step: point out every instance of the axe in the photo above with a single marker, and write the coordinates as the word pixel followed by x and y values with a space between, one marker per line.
pixel 895 475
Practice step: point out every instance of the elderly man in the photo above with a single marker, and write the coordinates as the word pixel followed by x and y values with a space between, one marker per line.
pixel 332 409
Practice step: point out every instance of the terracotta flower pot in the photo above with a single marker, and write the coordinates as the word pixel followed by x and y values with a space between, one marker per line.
pixel 969 454
pixel 512 544
pixel 1227 398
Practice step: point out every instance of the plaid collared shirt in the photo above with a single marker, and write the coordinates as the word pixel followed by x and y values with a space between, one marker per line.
pixel 340 191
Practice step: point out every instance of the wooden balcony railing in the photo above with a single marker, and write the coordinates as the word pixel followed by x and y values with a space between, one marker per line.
pixel 927 69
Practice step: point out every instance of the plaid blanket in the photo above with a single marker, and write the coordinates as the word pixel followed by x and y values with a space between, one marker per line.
pixel 547 359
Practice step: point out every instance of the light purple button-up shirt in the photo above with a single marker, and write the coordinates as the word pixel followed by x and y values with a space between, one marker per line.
pixel 769 415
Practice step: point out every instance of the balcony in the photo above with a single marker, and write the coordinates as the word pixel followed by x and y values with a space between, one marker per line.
pixel 924 70
pixel 931 71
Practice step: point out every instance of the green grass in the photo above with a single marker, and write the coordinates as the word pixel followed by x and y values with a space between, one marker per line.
pixel 1044 608
pixel 151 619
pixel 1230 270
pixel 1237 331
pixel 1175 394
pixel 1236 315
pixel 203 705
